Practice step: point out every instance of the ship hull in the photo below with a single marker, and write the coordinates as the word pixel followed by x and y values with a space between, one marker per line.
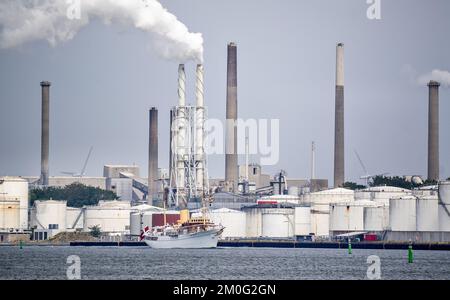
pixel 206 239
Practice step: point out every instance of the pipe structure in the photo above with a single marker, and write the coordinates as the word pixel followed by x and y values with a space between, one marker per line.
pixel 339 164
pixel 231 159
pixel 200 119
pixel 433 130
pixel 45 127
pixel 153 156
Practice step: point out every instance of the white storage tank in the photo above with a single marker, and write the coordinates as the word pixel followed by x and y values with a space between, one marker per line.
pixel 9 215
pixel 381 194
pixel 140 220
pixel 49 214
pixel 346 217
pixel 13 202
pixel 111 216
pixel 278 223
pixel 376 218
pixel 135 223
pixel 320 223
pixel 264 221
pixel 444 206
pixel 75 218
pixel 329 196
pixel 253 221
pixel 320 207
pixel 427 213
pixel 402 213
pixel 234 221
pixel 302 215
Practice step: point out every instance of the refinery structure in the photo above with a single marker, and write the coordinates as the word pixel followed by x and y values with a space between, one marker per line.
pixel 249 203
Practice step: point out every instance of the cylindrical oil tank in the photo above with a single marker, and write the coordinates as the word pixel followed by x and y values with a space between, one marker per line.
pixel 253 221
pixel 427 213
pixel 346 217
pixel 278 223
pixel 111 216
pixel 402 213
pixel 376 218
pixel 140 220
pixel 9 215
pixel 444 206
pixel 381 194
pixel 135 223
pixel 320 223
pixel 329 196
pixel 15 189
pixel 50 214
pixel 234 222
pixel 302 215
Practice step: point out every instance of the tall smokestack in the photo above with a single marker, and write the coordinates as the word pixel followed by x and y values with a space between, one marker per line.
pixel 179 139
pixel 45 132
pixel 231 159
pixel 153 155
pixel 200 117
pixel 339 170
pixel 433 130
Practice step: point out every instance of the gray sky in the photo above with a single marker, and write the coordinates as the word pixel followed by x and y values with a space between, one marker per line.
pixel 107 77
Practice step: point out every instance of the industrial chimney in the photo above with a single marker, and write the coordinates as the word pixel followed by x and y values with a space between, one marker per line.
pixel 339 171
pixel 231 159
pixel 433 130
pixel 199 127
pixel 45 132
pixel 153 155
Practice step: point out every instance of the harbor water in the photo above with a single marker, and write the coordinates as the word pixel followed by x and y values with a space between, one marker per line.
pixel 50 262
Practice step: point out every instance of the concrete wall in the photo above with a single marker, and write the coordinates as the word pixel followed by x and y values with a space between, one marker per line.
pixel 414 236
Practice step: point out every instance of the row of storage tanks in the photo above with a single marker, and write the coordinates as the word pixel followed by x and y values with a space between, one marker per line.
pixel 250 222
pixel 320 213
pixel 394 209
pixel 55 216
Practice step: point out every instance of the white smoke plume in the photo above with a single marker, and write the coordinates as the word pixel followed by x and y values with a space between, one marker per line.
pixel 24 21
pixel 441 76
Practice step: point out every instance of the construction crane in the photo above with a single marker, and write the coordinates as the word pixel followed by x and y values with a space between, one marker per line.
pixel 83 170
pixel 367 176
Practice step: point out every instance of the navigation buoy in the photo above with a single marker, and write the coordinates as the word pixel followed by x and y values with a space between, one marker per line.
pixel 349 247
pixel 20 244
pixel 410 254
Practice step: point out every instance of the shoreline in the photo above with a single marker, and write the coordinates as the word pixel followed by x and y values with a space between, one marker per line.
pixel 260 244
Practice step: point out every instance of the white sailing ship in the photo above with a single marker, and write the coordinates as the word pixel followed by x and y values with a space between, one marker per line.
pixel 194 233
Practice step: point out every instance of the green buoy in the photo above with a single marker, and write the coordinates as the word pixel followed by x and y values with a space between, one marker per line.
pixel 349 247
pixel 410 254
pixel 20 244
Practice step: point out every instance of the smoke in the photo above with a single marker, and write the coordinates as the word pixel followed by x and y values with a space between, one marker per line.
pixel 56 21
pixel 441 76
